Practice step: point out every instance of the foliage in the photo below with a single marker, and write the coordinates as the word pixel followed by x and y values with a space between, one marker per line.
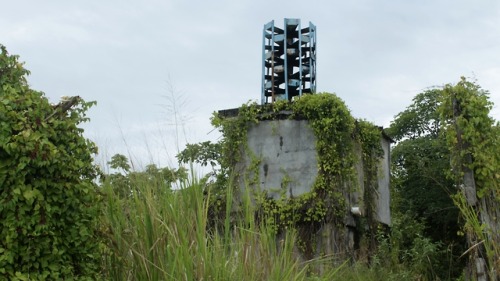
pixel 420 161
pixel 420 187
pixel 420 119
pixel 477 129
pixel 336 133
pixel 473 141
pixel 164 237
pixel 368 136
pixel 443 124
pixel 407 249
pixel 120 162
pixel 333 127
pixel 203 153
pixel 159 178
pixel 49 203
pixel 231 149
pixel 235 131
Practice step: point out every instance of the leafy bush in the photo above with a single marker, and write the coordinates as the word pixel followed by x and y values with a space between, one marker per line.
pixel 48 199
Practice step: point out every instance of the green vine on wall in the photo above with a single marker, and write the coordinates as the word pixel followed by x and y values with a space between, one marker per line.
pixel 232 146
pixel 336 133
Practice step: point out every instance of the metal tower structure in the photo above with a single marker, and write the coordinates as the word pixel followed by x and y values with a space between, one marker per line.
pixel 288 61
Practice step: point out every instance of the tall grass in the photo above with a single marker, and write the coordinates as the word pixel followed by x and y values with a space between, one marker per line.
pixel 163 235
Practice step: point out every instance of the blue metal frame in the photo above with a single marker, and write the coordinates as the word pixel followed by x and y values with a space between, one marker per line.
pixel 288 61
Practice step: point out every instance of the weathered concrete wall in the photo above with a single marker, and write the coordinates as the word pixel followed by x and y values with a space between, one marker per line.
pixel 285 163
pixel 288 159
pixel 383 200
pixel 287 152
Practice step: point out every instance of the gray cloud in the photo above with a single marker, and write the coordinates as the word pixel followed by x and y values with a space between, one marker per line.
pixel 376 55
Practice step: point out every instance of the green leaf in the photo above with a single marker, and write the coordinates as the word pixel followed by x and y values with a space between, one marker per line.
pixel 29 194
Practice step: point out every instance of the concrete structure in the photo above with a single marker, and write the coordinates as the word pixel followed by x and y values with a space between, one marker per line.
pixel 280 156
pixel 287 155
pixel 383 200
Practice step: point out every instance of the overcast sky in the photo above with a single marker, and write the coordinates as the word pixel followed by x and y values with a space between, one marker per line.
pixel 142 61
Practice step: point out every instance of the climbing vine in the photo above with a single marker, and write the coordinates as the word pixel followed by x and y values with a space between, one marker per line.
pixel 232 146
pixel 473 142
pixel 336 133
pixel 464 110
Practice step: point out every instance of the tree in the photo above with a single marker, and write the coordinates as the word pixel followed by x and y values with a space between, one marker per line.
pixel 421 188
pixel 447 141
pixel 123 181
pixel 120 180
pixel 203 153
pixel 49 203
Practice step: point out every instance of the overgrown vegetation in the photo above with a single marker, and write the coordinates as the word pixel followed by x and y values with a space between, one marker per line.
pixel 473 140
pixel 49 203
pixel 445 176
pixel 332 125
pixel 421 190
pixel 163 236
pixel 57 223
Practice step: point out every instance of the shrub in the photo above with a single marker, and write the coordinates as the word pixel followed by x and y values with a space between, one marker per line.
pixel 48 199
